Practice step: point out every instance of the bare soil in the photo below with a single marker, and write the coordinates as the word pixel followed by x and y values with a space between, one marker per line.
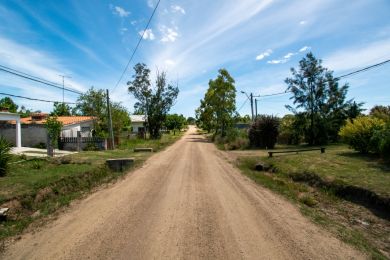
pixel 186 202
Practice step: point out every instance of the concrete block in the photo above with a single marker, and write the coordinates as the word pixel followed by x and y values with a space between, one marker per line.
pixel 120 164
pixel 143 150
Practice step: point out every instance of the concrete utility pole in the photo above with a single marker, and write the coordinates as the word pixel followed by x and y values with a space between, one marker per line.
pixel 250 97
pixel 110 122
pixel 63 86
pixel 256 107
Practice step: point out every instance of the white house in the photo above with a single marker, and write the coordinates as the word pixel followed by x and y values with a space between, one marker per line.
pixel 31 131
pixel 138 123
pixel 6 116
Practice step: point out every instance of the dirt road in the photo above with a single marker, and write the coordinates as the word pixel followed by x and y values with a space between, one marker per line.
pixel 187 202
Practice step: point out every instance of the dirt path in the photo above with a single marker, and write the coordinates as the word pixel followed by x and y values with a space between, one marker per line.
pixel 185 203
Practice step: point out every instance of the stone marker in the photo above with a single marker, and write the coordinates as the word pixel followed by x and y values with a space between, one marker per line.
pixel 262 167
pixel 120 164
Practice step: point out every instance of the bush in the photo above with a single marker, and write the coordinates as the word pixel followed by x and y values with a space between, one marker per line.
pixel 264 132
pixel 380 141
pixel 235 139
pixel 5 156
pixel 359 133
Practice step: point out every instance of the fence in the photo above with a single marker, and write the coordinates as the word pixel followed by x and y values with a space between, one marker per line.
pixel 81 143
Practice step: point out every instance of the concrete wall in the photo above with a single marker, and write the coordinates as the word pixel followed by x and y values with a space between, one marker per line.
pixel 31 134
pixel 71 130
pixel 137 125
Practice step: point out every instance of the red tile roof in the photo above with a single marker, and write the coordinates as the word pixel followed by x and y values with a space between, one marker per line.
pixel 66 120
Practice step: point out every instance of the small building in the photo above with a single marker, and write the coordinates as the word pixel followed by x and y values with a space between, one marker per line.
pixel 138 123
pixel 33 131
pixel 13 117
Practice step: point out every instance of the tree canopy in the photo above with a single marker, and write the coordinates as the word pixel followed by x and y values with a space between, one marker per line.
pixel 7 103
pixel 61 109
pixel 155 102
pixel 320 103
pixel 217 109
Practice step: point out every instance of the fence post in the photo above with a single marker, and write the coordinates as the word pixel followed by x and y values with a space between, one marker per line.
pixel 78 141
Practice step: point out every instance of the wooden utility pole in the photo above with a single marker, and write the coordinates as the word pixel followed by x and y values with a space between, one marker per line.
pixel 111 131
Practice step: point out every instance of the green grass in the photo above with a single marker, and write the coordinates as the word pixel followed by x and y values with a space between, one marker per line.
pixel 338 163
pixel 46 184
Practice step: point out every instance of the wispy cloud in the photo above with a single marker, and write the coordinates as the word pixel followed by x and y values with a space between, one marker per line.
pixel 355 57
pixel 304 48
pixel 281 61
pixel 289 55
pixel 303 22
pixel 169 62
pixel 147 34
pixel 177 9
pixel 168 34
pixel 264 54
pixel 120 11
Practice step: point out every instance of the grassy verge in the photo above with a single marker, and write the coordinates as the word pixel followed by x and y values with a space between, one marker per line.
pixel 351 222
pixel 37 187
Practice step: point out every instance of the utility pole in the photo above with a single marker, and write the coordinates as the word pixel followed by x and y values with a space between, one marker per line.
pixel 256 107
pixel 251 95
pixel 63 87
pixel 110 122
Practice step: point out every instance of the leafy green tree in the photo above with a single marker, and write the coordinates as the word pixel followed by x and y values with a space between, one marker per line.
pixel 23 112
pixel 175 122
pixel 382 112
pixel 54 128
pixel 217 109
pixel 191 121
pixel 120 118
pixel 155 102
pixel 354 110
pixel 7 103
pixel 289 130
pixel 318 99
pixel 94 103
pixel 61 109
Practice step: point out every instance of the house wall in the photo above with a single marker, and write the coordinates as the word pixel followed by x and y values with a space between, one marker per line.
pixel 136 125
pixel 32 135
pixel 71 130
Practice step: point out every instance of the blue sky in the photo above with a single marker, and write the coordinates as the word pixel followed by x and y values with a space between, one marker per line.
pixel 257 41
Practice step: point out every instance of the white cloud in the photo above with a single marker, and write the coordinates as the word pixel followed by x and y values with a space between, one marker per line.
pixel 177 8
pixel 170 62
pixel 281 61
pixel 264 54
pixel 303 22
pixel 148 35
pixel 123 30
pixel 120 11
pixel 151 3
pixel 289 55
pixel 305 48
pixel 168 34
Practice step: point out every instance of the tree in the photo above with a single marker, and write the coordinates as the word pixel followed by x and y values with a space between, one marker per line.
pixel 5 155
pixel 217 109
pixel 7 103
pixel 24 112
pixel 53 127
pixel 120 117
pixel 318 100
pixel 264 132
pixel 191 121
pixel 61 109
pixel 175 122
pixel 381 112
pixel 94 103
pixel 155 102
pixel 354 110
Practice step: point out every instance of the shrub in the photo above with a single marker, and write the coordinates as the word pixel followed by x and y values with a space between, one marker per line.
pixel 380 141
pixel 264 132
pixel 5 156
pixel 358 134
pixel 235 139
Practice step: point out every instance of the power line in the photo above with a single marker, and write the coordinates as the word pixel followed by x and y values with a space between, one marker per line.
pixel 34 99
pixel 136 47
pixel 364 69
pixel 336 78
pixel 243 104
pixel 36 79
